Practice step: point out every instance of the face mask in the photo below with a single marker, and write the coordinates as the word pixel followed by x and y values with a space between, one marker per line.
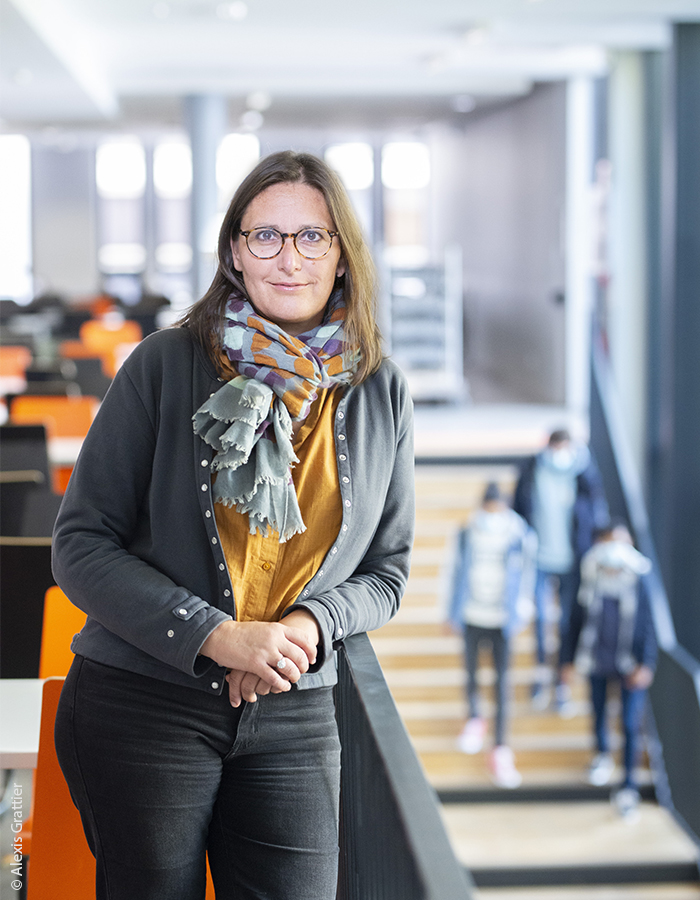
pixel 562 458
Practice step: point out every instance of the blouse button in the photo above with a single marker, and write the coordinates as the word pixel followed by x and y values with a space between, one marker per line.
pixel 182 612
pixel 208 514
pixel 222 566
pixel 348 503
pixel 306 593
pixel 321 572
pixel 346 480
pixel 203 463
pixel 205 487
pixel 227 593
pixel 341 415
pixel 214 541
pixel 340 632
pixel 342 457
pixel 345 527
pixel 334 550
pixel 171 633
pixel 215 685
pixel 341 437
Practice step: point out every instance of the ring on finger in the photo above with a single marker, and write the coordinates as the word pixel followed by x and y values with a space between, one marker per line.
pixel 282 663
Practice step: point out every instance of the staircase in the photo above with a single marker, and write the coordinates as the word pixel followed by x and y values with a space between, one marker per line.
pixel 555 835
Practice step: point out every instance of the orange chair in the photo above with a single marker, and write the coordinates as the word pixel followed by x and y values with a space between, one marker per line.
pixel 62 416
pixel 14 360
pixel 105 339
pixel 13 365
pixel 61 621
pixel 61 864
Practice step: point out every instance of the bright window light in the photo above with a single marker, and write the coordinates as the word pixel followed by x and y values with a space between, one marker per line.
pixel 174 257
pixel 15 220
pixel 172 170
pixel 236 156
pixel 121 169
pixel 405 165
pixel 354 162
pixel 122 259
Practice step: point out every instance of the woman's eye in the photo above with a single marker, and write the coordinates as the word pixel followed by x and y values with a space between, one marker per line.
pixel 311 236
pixel 268 236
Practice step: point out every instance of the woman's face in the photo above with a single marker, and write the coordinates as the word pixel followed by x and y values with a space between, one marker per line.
pixel 288 289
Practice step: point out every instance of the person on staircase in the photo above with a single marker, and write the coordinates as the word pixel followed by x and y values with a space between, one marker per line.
pixel 617 644
pixel 560 494
pixel 494 562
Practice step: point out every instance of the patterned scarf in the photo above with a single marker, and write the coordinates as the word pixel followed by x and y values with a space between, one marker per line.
pixel 249 420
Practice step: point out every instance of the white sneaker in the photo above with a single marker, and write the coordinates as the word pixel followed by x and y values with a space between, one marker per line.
pixel 471 738
pixel 626 801
pixel 541 696
pixel 563 702
pixel 601 769
pixel 502 766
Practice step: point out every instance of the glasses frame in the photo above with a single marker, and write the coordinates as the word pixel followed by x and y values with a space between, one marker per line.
pixel 293 236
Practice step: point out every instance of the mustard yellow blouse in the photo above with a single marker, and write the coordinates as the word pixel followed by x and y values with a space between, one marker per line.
pixel 268 576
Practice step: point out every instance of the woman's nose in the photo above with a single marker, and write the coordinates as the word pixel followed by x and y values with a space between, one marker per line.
pixel 289 258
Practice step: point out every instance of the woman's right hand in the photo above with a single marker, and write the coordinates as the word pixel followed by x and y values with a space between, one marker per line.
pixel 256 648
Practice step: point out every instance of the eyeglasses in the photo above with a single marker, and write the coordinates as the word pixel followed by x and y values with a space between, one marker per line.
pixel 311 243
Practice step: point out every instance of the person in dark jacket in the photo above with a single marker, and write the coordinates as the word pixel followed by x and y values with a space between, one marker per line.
pixel 243 502
pixel 560 495
pixel 617 644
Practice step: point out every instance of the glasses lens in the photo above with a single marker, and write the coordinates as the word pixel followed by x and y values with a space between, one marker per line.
pixel 313 242
pixel 265 242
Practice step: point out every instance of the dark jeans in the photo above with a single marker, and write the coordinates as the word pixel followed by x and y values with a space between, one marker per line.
pixel 473 637
pixel 569 620
pixel 163 774
pixel 632 712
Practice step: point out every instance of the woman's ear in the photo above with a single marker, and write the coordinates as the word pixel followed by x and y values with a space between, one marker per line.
pixel 341 268
pixel 236 255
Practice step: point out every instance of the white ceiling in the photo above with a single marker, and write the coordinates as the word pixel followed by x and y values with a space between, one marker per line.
pixel 106 62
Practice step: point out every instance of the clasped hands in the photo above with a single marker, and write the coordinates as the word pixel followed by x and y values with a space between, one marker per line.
pixel 252 650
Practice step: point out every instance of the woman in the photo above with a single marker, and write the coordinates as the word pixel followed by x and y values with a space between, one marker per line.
pixel 242 503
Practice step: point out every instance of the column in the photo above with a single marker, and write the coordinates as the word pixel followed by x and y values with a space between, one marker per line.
pixel 205 119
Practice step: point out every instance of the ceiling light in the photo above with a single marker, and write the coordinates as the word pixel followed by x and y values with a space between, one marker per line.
pixel 236 11
pixel 259 100
pixel 463 103
pixel 251 120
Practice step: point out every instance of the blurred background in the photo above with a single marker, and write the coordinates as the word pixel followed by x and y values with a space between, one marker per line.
pixel 527 173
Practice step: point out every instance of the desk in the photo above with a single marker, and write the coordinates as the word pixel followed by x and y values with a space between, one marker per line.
pixel 20 721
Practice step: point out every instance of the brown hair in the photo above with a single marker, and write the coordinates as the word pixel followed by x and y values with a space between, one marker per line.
pixel 359 282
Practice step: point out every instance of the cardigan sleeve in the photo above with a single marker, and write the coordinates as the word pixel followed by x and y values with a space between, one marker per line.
pixel 105 551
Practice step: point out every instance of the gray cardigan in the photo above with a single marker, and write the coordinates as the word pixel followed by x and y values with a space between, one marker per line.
pixel 136 545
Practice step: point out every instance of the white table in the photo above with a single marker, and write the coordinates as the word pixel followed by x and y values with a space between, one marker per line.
pixel 20 721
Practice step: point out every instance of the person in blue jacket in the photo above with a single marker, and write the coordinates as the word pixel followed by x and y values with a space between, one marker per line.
pixel 492 566
pixel 560 494
pixel 617 644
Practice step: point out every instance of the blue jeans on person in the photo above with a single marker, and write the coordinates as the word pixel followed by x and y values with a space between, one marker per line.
pixel 163 775
pixel 568 585
pixel 632 711
pixel 473 637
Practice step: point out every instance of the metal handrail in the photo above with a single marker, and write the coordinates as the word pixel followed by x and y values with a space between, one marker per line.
pixel 675 693
pixel 393 844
